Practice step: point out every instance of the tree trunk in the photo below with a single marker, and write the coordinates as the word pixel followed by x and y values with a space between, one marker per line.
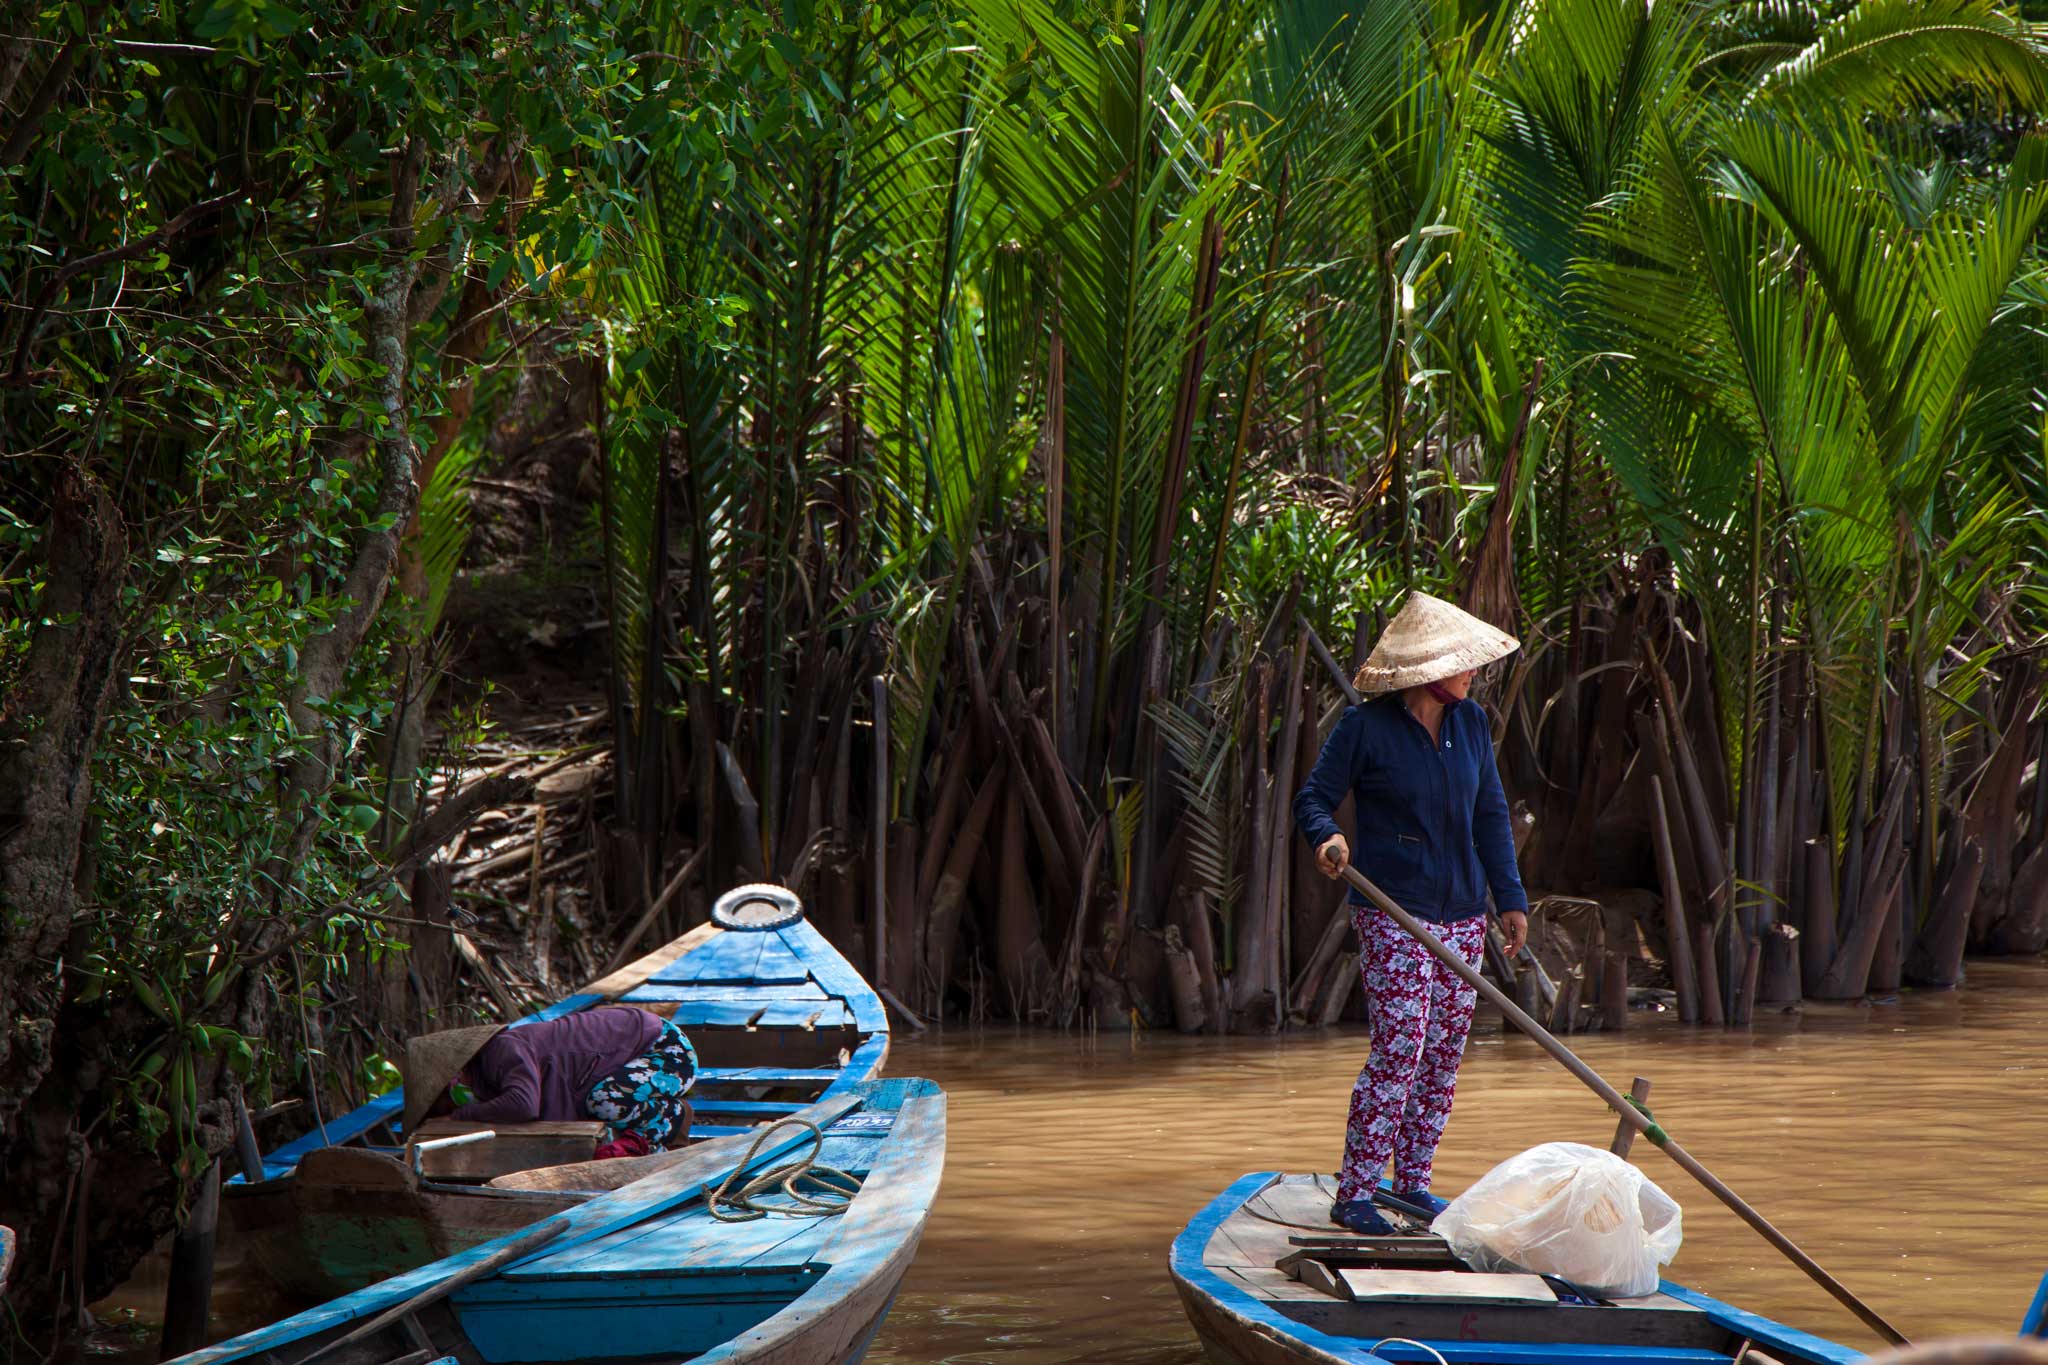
pixel 1021 959
pixel 1937 955
pixel 1991 816
pixel 50 721
pixel 1778 980
pixel 49 726
pixel 1184 976
pixel 942 914
pixel 2025 930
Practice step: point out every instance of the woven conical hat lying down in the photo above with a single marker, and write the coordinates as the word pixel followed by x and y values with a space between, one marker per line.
pixel 1430 639
pixel 431 1061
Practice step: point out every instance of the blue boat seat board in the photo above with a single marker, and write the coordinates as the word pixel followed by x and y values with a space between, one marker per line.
pixel 779 962
pixel 700 1131
pixel 732 959
pixel 727 957
pixel 715 992
pixel 802 1014
pixel 753 1108
pixel 767 1075
pixel 672 1249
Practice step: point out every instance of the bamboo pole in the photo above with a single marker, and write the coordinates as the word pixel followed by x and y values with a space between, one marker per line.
pixel 878 829
pixel 1624 1131
pixel 1636 1118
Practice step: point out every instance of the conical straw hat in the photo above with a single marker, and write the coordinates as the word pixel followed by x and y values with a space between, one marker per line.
pixel 1429 639
pixel 431 1061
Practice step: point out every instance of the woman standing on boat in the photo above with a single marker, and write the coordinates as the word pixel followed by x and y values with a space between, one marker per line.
pixel 1433 833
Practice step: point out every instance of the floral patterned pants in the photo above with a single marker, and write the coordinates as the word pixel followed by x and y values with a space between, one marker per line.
pixel 1421 1013
pixel 645 1095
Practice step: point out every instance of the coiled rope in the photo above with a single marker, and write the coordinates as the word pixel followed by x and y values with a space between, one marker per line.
pixel 730 1205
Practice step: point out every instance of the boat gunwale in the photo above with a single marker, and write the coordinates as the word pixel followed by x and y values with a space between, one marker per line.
pixel 1194 1278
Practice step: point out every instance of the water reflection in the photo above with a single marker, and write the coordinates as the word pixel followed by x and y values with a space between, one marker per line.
pixel 1899 1143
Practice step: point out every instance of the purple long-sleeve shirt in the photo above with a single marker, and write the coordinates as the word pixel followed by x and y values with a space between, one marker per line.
pixel 545 1070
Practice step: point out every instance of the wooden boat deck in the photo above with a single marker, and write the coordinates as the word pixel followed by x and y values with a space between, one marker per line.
pixel 1260 1272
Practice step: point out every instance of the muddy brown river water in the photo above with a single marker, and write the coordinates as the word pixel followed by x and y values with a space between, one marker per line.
pixel 1904 1145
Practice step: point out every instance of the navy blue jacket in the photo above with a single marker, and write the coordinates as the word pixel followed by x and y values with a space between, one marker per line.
pixel 1433 827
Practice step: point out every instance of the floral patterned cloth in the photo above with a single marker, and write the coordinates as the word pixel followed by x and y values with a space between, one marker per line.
pixel 1421 1013
pixel 645 1096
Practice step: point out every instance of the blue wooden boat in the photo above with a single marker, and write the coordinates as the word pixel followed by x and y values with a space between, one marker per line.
pixel 1266 1280
pixel 779 1020
pixel 646 1272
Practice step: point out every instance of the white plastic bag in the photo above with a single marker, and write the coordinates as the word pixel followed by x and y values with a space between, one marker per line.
pixel 1569 1210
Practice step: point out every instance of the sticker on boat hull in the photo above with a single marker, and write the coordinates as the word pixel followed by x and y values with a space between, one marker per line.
pixel 864 1123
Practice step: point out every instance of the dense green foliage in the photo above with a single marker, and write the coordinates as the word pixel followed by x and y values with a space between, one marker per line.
pixel 1049 360
pixel 236 245
pixel 1143 326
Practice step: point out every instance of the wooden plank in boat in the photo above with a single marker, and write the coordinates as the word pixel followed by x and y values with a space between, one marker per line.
pixel 778 963
pixel 751 1108
pixel 634 973
pixel 1439 1286
pixel 1320 1278
pixel 1405 1244
pixel 741 1046
pixel 1265 1241
pixel 835 974
pixel 1397 1258
pixel 690 991
pixel 1295 1199
pixel 798 1014
pixel 384 1108
pixel 727 958
pixel 768 1075
pixel 568 1004
pixel 1271 1284
pixel 688 1241
pixel 1225 1250
pixel 515 1147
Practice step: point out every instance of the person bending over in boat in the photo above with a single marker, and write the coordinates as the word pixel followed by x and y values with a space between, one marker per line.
pixel 1433 833
pixel 621 1066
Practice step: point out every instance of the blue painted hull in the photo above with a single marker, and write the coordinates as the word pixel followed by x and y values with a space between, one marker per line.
pixel 646 1272
pixel 1248 1312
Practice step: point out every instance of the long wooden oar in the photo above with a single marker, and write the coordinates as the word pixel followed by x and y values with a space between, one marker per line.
pixel 1620 1105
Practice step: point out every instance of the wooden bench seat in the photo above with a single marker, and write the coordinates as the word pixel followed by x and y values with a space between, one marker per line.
pixel 767 1075
pixel 516 1147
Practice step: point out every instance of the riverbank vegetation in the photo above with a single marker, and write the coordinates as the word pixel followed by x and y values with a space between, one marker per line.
pixel 962 449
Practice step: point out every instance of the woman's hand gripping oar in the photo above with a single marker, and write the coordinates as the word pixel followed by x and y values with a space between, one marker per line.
pixel 1621 1105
